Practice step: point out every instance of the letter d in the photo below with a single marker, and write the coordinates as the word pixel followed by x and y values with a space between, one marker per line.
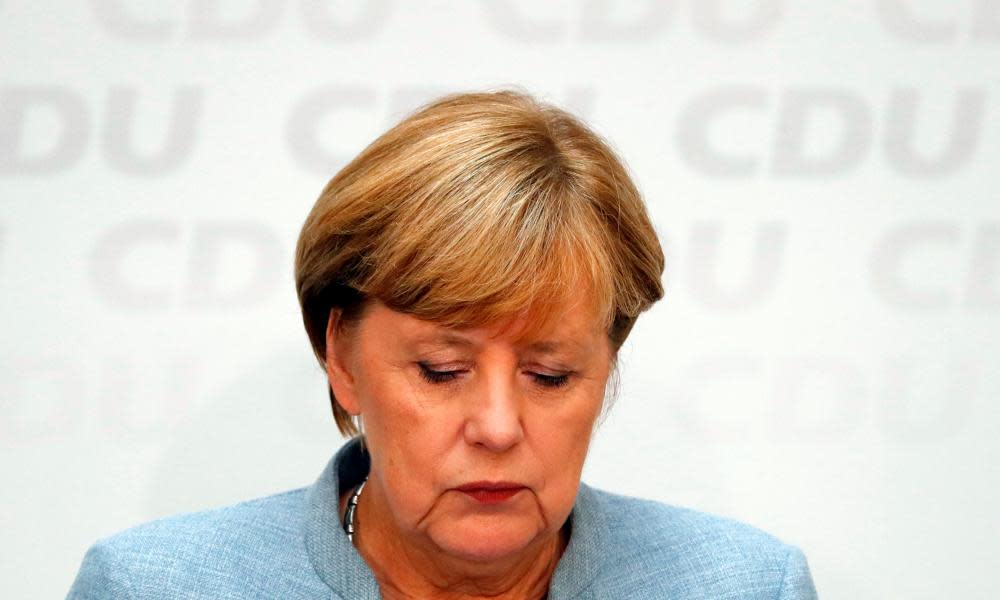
pixel 59 154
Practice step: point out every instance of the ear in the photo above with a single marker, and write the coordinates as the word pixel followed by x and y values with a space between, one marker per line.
pixel 338 364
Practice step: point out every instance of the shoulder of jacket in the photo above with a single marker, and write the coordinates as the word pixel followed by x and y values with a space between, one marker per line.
pixel 649 522
pixel 189 548
pixel 683 552
pixel 275 513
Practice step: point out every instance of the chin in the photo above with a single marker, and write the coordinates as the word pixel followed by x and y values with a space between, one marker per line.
pixel 486 540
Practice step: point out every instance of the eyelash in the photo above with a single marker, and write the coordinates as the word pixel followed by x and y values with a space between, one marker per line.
pixel 432 376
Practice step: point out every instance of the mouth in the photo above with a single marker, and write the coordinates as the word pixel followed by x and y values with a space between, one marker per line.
pixel 491 492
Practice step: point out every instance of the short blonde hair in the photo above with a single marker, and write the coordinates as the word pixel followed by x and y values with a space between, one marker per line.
pixel 471 209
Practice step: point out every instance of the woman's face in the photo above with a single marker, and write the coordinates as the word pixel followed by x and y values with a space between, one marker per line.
pixel 477 438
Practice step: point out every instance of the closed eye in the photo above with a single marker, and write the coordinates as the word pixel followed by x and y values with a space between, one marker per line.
pixel 435 376
pixel 438 376
pixel 551 380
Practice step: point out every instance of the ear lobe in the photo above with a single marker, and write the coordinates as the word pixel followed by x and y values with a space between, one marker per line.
pixel 337 361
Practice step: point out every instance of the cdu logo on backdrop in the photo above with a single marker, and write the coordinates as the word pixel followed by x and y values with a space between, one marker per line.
pixel 958 22
pixel 609 21
pixel 214 21
pixel 46 129
pixel 826 131
pixel 157 265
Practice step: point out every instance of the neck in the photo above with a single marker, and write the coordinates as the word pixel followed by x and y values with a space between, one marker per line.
pixel 407 568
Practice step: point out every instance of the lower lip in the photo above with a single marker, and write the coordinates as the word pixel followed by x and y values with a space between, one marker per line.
pixel 484 496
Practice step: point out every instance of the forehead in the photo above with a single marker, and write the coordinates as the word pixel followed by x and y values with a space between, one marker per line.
pixel 572 325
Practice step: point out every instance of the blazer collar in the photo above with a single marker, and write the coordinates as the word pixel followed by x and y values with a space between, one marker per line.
pixel 339 565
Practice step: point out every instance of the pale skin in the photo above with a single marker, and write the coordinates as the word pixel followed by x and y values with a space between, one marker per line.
pixel 446 407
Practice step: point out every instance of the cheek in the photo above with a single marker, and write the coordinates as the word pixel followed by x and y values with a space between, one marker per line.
pixel 401 414
pixel 403 429
pixel 561 439
pixel 389 413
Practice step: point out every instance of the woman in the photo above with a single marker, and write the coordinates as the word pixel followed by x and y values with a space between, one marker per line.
pixel 466 283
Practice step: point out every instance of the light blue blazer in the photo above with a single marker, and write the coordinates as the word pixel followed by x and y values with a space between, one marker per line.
pixel 291 546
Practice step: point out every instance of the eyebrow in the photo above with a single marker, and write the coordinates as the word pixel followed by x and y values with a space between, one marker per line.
pixel 549 347
pixel 571 347
pixel 449 338
pixel 446 338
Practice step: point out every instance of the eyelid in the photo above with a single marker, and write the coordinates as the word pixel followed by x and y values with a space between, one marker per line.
pixel 547 372
pixel 551 369
pixel 449 366
pixel 551 381
pixel 437 376
pixel 543 376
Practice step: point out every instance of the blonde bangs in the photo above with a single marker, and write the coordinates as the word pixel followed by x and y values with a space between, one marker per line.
pixel 506 258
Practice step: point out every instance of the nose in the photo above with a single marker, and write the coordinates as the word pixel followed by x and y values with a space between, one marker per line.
pixel 494 419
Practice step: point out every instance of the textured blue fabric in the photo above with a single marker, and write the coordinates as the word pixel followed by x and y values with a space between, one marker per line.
pixel 291 546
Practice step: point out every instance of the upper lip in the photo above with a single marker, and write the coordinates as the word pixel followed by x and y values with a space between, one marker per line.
pixel 489 485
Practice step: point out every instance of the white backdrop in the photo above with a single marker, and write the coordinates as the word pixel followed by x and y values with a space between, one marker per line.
pixel 823 175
